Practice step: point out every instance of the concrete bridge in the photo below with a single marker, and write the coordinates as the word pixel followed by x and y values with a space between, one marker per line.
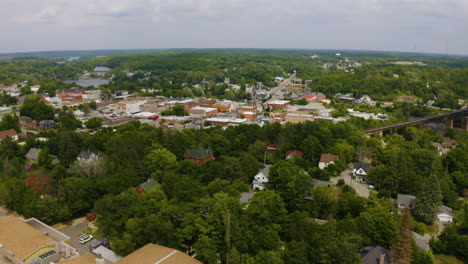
pixel 446 118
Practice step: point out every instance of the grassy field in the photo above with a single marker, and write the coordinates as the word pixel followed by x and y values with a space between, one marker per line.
pixel 442 259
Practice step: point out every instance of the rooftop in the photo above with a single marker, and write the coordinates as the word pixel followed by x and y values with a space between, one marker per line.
pixel 151 254
pixel 84 259
pixel 20 238
pixel 200 153
pixel 327 158
pixel 279 102
pixel 6 133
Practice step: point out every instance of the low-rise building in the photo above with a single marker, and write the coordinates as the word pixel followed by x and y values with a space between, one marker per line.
pixel 46 124
pixel 406 200
pixel 310 108
pixel 290 154
pixel 203 112
pixel 444 214
pixel 278 103
pixel 200 155
pixel 27 122
pixel 361 170
pixel 298 118
pixel 31 241
pixel 152 254
pixel 130 105
pixel 226 121
pixel 375 255
pixel 447 145
pixel 9 133
pixel 326 160
pixel 146 185
pixel 261 180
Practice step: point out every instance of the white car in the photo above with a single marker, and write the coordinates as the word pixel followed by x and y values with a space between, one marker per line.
pixel 85 239
pixel 372 187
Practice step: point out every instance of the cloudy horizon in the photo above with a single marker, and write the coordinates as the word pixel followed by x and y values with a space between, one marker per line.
pixel 429 26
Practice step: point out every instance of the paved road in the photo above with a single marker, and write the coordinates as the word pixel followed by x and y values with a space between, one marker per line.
pixel 75 232
pixel 276 93
pixel 361 189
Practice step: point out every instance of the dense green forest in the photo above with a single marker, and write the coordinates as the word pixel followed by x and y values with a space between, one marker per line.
pixel 198 205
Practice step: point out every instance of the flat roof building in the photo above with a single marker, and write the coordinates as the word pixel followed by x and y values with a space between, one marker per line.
pixel 151 254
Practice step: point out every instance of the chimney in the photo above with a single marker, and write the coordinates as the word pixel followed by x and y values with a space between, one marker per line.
pixel 382 259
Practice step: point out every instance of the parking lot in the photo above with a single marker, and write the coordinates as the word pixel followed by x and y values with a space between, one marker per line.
pixel 75 232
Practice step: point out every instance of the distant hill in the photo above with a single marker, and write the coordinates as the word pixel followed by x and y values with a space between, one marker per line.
pixel 288 52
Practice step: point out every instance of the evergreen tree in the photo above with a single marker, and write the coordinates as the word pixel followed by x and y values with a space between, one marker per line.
pixel 401 247
pixel 428 200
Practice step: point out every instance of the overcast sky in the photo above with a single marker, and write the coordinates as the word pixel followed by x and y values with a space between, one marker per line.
pixel 439 26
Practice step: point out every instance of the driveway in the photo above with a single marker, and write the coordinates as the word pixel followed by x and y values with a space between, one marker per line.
pixel 75 232
pixel 360 188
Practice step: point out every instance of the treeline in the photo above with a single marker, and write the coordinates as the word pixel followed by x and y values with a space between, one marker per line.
pixel 443 85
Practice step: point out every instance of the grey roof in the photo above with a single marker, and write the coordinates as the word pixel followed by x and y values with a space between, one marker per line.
pixel 266 170
pixel 245 197
pixel 371 254
pixel 101 69
pixel 421 241
pixel 364 166
pixel 445 210
pixel 33 154
pixel 406 200
pixel 107 254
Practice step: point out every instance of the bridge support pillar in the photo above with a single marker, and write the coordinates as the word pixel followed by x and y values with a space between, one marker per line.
pixel 448 124
pixel 465 123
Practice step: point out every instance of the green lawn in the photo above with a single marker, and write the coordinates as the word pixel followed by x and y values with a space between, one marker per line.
pixel 443 259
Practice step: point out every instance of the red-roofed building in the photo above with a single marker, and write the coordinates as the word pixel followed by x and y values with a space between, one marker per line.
pixel 271 148
pixel 9 133
pixel 293 153
pixel 40 184
pixel 327 159
pixel 309 97
pixel 323 100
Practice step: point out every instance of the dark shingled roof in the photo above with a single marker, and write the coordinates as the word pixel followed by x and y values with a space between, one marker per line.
pixel 364 166
pixel 371 254
pixel 199 154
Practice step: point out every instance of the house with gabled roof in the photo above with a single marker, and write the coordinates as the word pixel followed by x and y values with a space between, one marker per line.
pixel 146 185
pixel 9 133
pixel 361 170
pixel 326 160
pixel 406 200
pixel 199 155
pixel 375 255
pixel 290 154
pixel 261 179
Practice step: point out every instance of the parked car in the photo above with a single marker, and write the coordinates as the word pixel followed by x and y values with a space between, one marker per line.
pixel 372 187
pixel 85 239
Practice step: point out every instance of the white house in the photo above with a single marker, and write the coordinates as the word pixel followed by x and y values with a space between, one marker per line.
pixel 261 179
pixel 327 159
pixel 360 171
pixel 444 214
